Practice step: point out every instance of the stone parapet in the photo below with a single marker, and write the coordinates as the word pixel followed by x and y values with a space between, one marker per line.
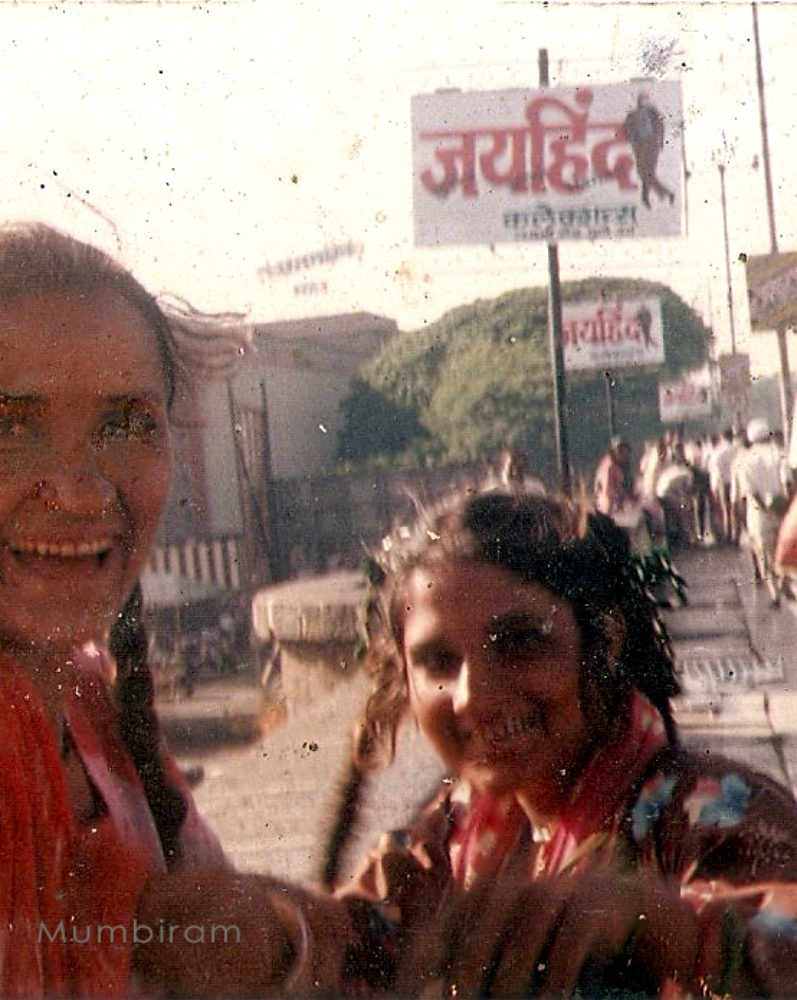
pixel 314 625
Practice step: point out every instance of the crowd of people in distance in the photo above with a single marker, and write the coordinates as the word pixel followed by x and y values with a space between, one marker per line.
pixel 729 488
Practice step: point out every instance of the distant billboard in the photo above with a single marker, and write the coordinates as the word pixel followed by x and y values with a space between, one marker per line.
pixel 296 267
pixel 772 290
pixel 734 372
pixel 685 399
pixel 613 334
pixel 584 162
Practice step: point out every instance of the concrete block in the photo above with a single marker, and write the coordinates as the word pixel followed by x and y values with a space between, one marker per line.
pixel 315 608
pixel 261 618
pixel 312 671
pixel 286 620
pixel 329 623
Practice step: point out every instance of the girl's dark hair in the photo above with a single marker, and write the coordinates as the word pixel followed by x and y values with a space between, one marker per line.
pixel 579 555
pixel 38 260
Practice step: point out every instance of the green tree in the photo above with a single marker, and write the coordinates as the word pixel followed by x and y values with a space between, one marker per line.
pixel 375 426
pixel 480 378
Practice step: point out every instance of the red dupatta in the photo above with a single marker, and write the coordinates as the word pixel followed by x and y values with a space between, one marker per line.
pixel 60 882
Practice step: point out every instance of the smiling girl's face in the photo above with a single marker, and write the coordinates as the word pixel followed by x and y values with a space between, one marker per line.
pixel 85 464
pixel 493 667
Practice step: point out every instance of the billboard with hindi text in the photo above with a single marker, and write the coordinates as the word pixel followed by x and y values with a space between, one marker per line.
pixel 582 162
pixel 612 334
pixel 689 398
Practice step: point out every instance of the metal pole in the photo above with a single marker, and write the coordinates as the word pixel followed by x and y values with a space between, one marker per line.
pixel 272 560
pixel 786 397
pixel 721 168
pixel 610 403
pixel 762 110
pixel 555 340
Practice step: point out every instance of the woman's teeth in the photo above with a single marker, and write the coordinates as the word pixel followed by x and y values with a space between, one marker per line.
pixel 63 550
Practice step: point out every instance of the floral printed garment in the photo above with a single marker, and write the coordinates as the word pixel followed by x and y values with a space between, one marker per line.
pixel 729 836
pixel 723 833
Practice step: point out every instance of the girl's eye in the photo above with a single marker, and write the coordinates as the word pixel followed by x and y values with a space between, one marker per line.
pixel 130 425
pixel 515 643
pixel 437 662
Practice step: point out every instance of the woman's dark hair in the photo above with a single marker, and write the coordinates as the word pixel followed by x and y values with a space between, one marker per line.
pixel 38 260
pixel 579 555
pixel 138 724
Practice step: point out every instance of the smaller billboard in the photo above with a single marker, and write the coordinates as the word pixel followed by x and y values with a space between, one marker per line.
pixel 686 399
pixel 734 373
pixel 607 335
pixel 772 290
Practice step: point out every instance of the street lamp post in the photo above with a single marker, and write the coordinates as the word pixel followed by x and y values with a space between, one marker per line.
pixel 786 400
pixel 721 168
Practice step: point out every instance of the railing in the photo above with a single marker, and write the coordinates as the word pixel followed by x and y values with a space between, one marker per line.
pixel 216 561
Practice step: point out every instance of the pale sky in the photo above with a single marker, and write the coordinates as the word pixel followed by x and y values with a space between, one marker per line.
pixel 220 137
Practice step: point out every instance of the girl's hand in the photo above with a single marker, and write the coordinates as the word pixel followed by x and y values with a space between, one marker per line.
pixel 544 938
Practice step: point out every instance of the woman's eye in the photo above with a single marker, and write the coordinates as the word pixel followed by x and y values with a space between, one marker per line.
pixel 15 428
pixel 134 425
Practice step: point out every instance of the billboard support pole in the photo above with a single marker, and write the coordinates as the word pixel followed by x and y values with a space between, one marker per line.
pixel 555 340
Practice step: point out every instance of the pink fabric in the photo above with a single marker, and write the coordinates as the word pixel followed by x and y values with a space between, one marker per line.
pixel 490 827
pixel 490 831
pixel 599 798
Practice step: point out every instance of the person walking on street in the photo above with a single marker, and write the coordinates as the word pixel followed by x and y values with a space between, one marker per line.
pixel 696 452
pixel 674 492
pixel 614 478
pixel 738 520
pixel 764 489
pixel 719 472
pixel 514 476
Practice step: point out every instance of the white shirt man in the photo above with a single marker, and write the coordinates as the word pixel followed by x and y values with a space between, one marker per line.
pixel 719 473
pixel 763 486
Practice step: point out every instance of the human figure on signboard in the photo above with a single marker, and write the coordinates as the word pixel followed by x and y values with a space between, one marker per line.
pixel 645 319
pixel 644 130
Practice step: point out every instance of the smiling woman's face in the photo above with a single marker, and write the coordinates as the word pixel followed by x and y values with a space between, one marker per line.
pixel 493 668
pixel 85 464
